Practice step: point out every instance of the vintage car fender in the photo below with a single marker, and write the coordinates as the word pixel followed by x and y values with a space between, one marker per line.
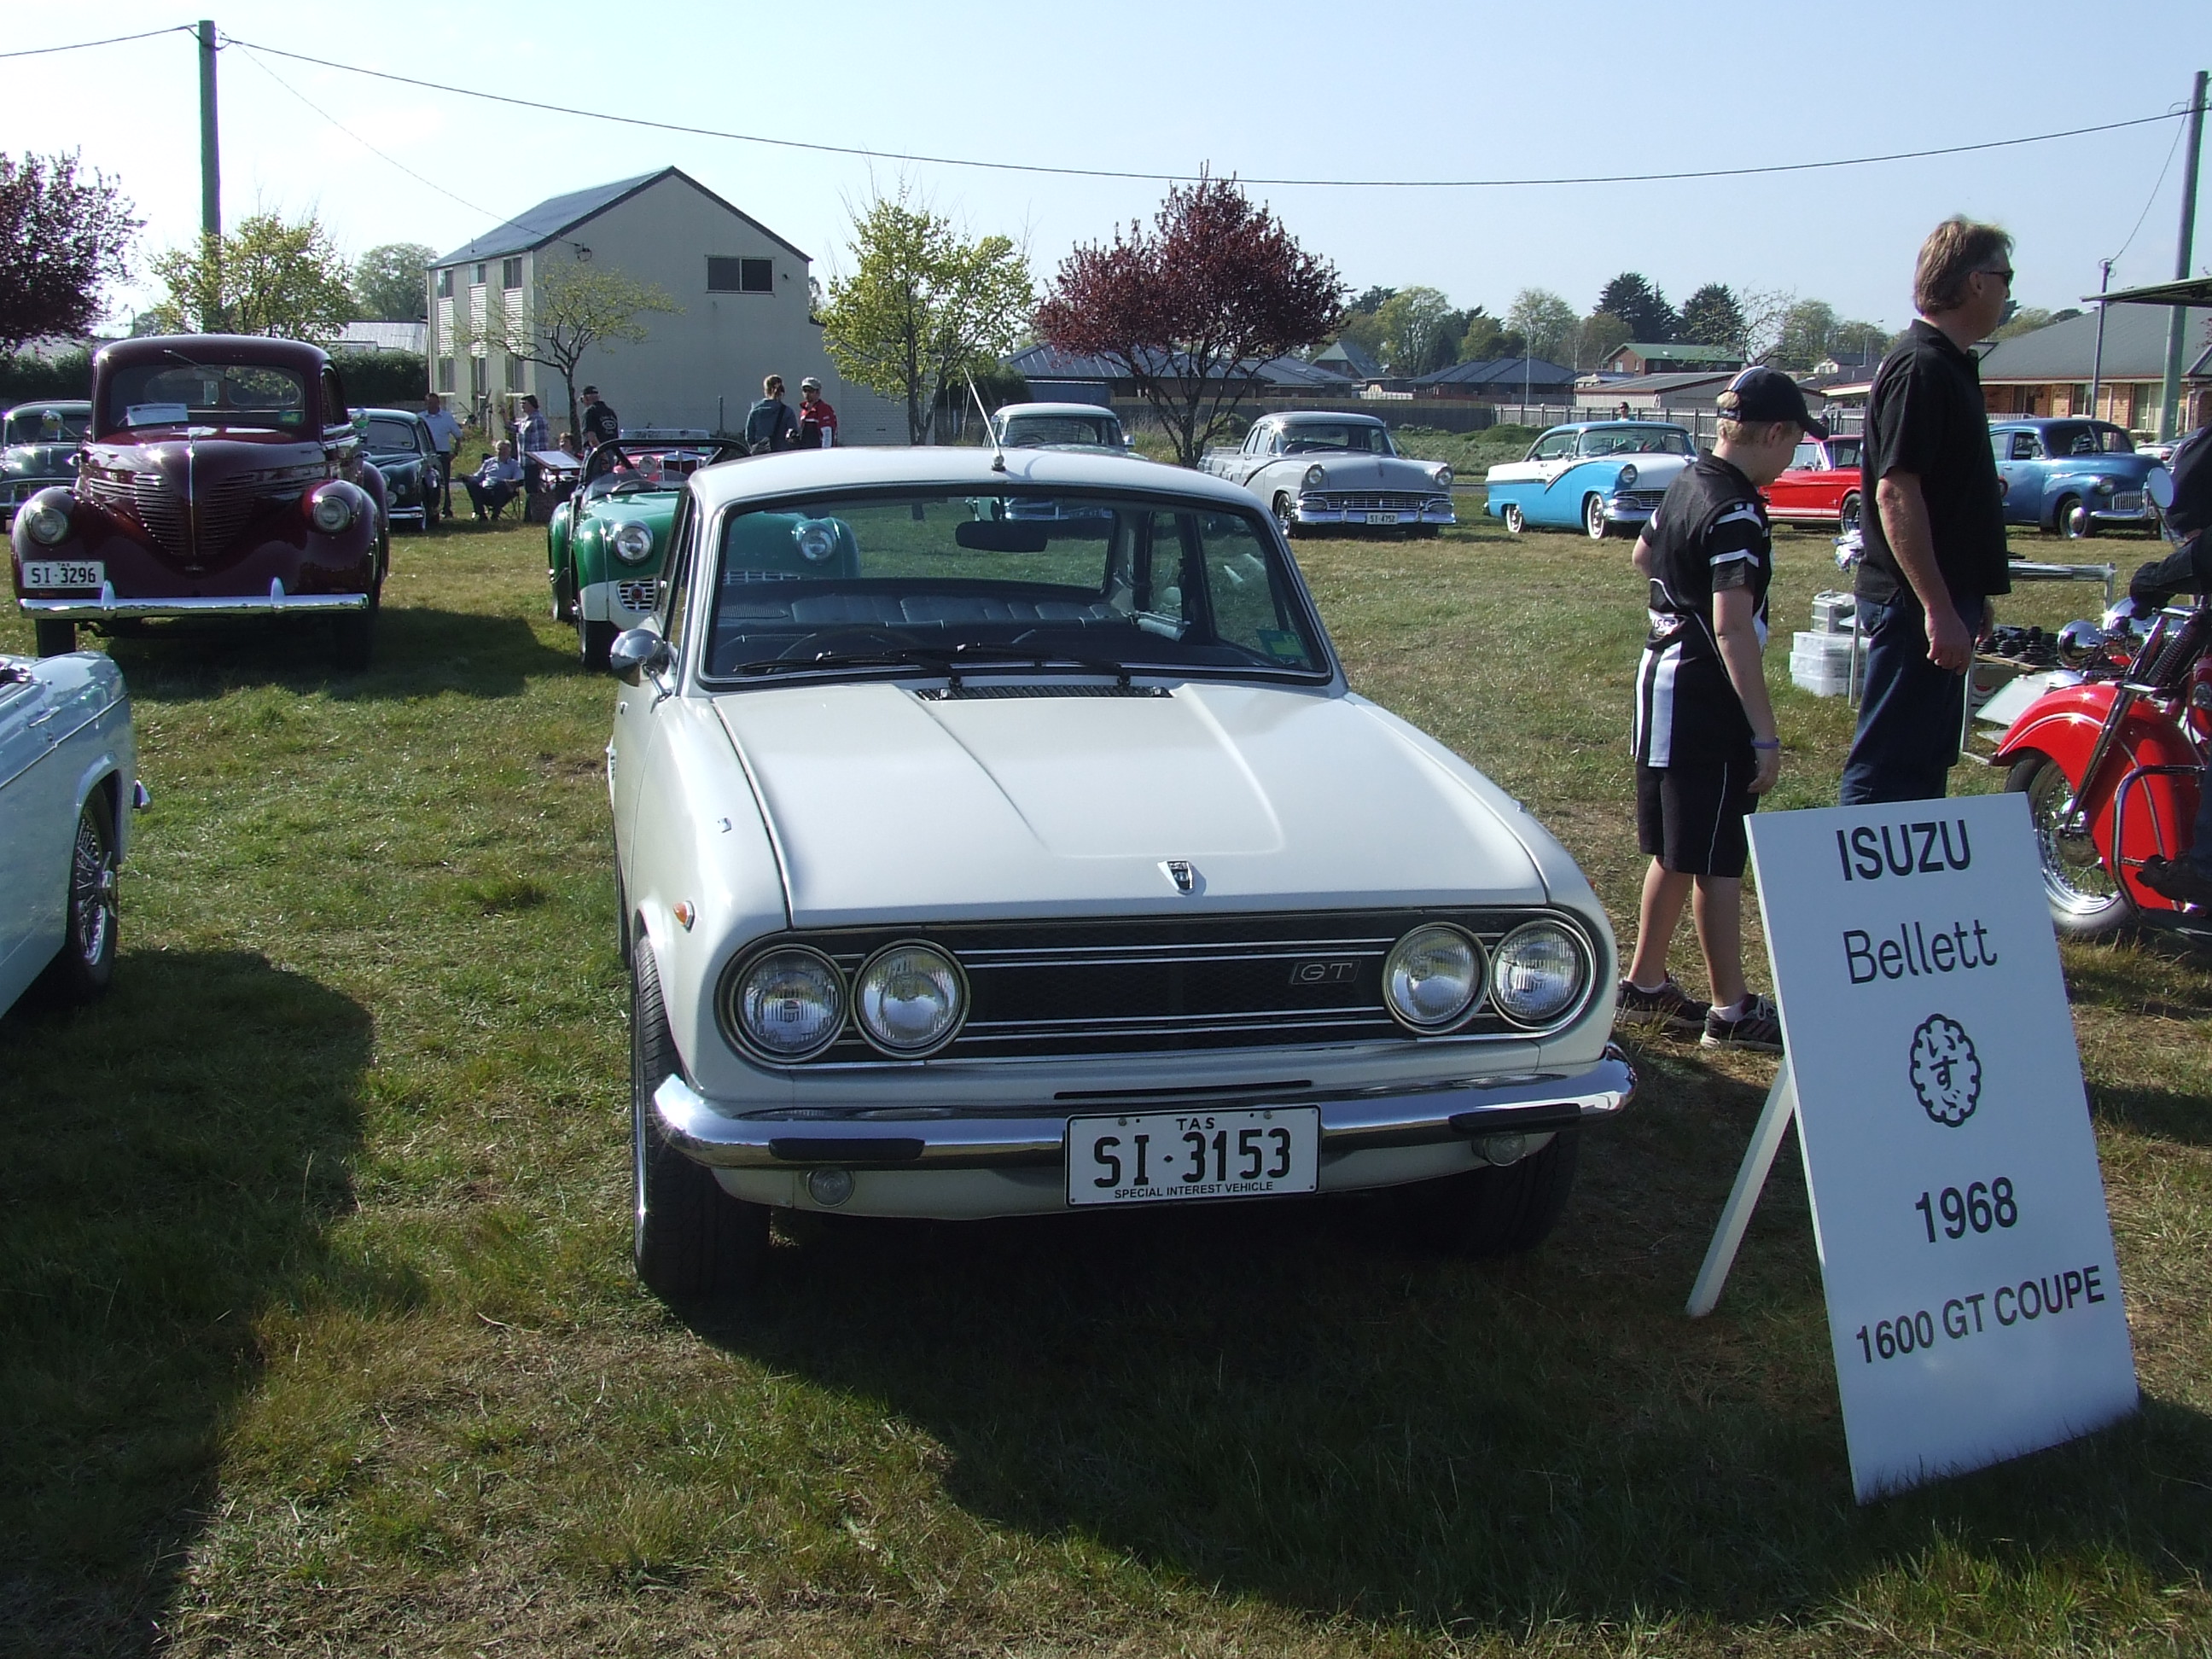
pixel 600 574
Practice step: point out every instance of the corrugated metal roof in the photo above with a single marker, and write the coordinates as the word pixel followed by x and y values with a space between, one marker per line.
pixel 1489 371
pixel 382 337
pixel 535 227
pixel 2135 347
pixel 1354 356
pixel 1678 380
pixel 1680 351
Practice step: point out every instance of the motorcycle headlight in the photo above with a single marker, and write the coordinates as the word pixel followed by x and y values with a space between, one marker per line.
pixel 1628 476
pixel 331 511
pixel 1444 477
pixel 1432 976
pixel 46 517
pixel 2079 642
pixel 788 1005
pixel 1315 478
pixel 632 542
pixel 909 1000
pixel 1539 972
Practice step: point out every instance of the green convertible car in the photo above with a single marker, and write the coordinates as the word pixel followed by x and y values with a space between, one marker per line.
pixel 607 544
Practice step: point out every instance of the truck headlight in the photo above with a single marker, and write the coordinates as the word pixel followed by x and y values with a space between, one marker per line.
pixel 909 1000
pixel 788 1005
pixel 1541 971
pixel 632 543
pixel 46 517
pixel 1432 976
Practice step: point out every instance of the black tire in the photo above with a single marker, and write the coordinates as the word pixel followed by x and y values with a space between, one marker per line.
pixel 622 922
pixel 1847 518
pixel 564 596
pixel 1495 1211
pixel 1594 523
pixel 1286 520
pixel 55 639
pixel 593 640
pixel 2063 523
pixel 354 635
pixel 1516 522
pixel 2086 901
pixel 86 962
pixel 689 1238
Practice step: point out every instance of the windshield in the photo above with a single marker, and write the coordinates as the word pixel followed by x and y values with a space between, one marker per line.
pixel 1636 440
pixel 1092 582
pixel 1038 431
pixel 388 436
pixel 222 394
pixel 631 469
pixel 47 425
pixel 1309 435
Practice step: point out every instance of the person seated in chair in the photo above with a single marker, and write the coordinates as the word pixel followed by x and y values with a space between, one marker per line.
pixel 494 483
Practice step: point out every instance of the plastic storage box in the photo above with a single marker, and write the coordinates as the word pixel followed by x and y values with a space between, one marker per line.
pixel 1832 611
pixel 1821 664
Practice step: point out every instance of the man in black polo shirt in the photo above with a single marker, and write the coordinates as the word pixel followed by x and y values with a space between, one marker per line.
pixel 1704 735
pixel 1935 541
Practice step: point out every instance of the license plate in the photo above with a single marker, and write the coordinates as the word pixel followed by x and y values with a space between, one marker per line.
pixel 1146 1158
pixel 87 574
pixel 1382 518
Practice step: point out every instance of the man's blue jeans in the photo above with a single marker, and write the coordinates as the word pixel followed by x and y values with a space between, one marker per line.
pixel 1910 714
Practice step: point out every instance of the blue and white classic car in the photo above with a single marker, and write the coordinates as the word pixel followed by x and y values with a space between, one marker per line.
pixel 2074 477
pixel 1599 476
pixel 68 782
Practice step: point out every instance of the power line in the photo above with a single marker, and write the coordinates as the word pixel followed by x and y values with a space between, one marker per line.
pixel 1178 178
pixel 112 40
pixel 2153 197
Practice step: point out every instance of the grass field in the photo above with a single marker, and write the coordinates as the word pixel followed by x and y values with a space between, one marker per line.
pixel 318 1333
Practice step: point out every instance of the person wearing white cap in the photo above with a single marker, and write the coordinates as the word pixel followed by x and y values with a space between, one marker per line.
pixel 818 422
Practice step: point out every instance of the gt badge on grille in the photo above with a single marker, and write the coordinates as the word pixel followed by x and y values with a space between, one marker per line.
pixel 1323 973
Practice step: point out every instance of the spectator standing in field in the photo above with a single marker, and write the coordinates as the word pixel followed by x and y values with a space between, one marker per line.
pixel 530 436
pixel 494 484
pixel 1703 727
pixel 444 433
pixel 1935 541
pixel 818 422
pixel 601 424
pixel 769 424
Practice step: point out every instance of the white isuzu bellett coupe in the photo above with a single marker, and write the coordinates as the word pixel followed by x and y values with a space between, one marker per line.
pixel 996 836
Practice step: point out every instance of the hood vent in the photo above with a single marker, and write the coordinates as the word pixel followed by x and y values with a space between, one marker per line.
pixel 963 692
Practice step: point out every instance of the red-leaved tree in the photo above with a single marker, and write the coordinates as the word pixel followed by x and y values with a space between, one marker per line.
pixel 1188 309
pixel 66 238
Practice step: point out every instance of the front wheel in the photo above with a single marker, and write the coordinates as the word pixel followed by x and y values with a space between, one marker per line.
pixel 2085 899
pixel 55 639
pixel 1496 1210
pixel 1286 521
pixel 593 641
pixel 87 961
pixel 1514 520
pixel 1847 517
pixel 689 1238
pixel 1594 523
pixel 2069 521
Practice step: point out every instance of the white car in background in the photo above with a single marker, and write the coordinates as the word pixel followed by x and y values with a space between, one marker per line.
pixel 68 782
pixel 1059 426
pixel 975 860
pixel 1315 470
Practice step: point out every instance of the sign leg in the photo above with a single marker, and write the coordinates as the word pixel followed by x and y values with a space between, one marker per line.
pixel 1750 1182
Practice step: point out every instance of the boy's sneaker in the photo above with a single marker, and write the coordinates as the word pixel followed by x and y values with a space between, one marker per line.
pixel 1669 1008
pixel 1760 1026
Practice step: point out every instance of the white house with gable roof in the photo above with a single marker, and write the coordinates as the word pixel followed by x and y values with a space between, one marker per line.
pixel 743 295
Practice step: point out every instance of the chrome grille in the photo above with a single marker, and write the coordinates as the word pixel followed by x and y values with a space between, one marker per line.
pixel 1383 500
pixel 162 513
pixel 637 596
pixel 1639 500
pixel 219 513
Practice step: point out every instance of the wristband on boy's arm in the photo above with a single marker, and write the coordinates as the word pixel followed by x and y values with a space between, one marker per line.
pixel 1766 743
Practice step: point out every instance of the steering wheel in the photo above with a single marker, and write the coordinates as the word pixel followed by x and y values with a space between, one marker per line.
pixel 855 640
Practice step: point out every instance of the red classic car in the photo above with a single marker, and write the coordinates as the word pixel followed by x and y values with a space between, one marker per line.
pixel 221 476
pixel 1821 486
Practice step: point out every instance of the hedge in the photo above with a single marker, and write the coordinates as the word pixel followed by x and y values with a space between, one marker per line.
pixel 376 379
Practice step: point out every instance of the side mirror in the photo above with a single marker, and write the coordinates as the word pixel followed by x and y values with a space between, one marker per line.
pixel 637 652
pixel 2158 484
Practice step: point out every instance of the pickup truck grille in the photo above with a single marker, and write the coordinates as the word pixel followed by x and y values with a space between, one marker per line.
pixel 1044 989
pixel 218 513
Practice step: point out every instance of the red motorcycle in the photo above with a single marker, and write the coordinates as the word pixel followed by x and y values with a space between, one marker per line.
pixel 2110 766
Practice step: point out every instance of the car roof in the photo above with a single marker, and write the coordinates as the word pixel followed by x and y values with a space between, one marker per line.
pixel 1602 426
pixel 392 414
pixel 60 405
pixel 807 471
pixel 225 350
pixel 1054 409
pixel 1314 416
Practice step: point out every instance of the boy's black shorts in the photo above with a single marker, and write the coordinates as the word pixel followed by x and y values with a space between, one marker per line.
pixel 1691 817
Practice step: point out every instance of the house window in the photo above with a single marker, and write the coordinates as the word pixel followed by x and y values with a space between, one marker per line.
pixel 445 283
pixel 479 276
pixel 510 273
pixel 740 276
pixel 445 375
pixel 515 373
pixel 479 378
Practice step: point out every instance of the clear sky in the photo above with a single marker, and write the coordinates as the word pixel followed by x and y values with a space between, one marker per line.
pixel 1382 89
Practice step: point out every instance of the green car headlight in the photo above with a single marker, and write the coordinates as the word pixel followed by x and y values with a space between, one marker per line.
pixel 632 543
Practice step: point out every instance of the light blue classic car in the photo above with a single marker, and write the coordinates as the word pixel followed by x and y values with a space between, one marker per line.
pixel 1598 476
pixel 2073 478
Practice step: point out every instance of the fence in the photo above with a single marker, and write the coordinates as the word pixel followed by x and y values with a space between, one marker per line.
pixel 1702 424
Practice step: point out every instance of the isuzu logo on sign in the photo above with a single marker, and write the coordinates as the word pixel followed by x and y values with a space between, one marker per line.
pixel 1973 1300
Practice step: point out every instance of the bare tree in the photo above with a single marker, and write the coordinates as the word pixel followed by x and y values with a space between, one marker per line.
pixel 575 309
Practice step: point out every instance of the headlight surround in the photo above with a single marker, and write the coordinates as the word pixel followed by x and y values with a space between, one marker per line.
pixel 331 510
pixel 1314 477
pixel 1444 477
pixel 788 1003
pixel 1433 977
pixel 1627 477
pixel 632 542
pixel 1541 974
pixel 46 517
pixel 909 999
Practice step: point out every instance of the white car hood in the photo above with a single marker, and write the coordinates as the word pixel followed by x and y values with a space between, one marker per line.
pixel 885 807
pixel 1342 471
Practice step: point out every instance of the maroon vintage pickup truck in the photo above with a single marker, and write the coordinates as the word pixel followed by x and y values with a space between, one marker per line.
pixel 221 476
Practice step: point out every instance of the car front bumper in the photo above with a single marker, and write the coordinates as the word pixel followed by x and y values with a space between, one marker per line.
pixel 106 605
pixel 1326 510
pixel 1457 1114
pixel 1622 511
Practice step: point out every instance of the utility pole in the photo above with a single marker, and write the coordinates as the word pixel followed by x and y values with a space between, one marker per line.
pixel 2178 326
pixel 2097 362
pixel 210 164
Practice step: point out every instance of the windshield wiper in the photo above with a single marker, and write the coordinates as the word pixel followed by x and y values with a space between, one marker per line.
pixel 947 663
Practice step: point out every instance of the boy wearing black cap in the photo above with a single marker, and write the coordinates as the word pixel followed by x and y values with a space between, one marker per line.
pixel 1703 730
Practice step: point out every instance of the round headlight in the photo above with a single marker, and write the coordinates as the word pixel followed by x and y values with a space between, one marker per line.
pixel 1539 974
pixel 816 540
pixel 47 517
pixel 331 511
pixel 1444 477
pixel 632 542
pixel 909 1000
pixel 1314 477
pixel 789 1005
pixel 1432 976
pixel 1628 476
pixel 2079 643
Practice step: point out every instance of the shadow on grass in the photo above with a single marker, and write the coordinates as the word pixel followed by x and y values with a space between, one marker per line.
pixel 170 1159
pixel 1288 1403
pixel 2163 1114
pixel 419 653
